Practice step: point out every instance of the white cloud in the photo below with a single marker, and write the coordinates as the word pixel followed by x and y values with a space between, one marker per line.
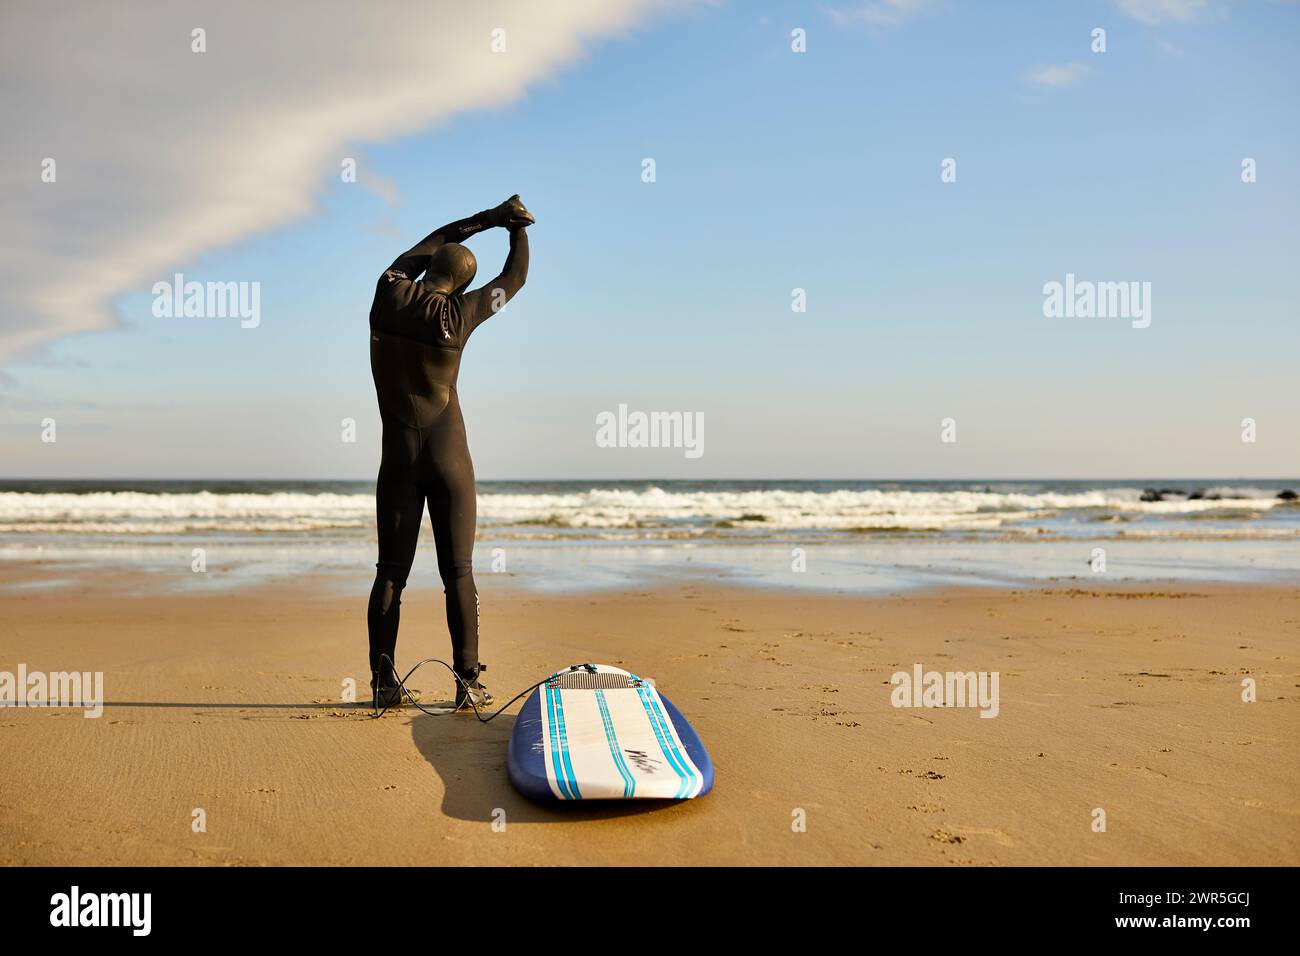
pixel 878 12
pixel 1163 11
pixel 163 154
pixel 1057 74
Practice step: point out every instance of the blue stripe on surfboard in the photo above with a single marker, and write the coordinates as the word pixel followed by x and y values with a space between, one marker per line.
pixel 676 749
pixel 659 734
pixel 564 745
pixel 684 776
pixel 691 742
pixel 629 782
pixel 665 745
pixel 563 761
pixel 554 750
pixel 557 760
pixel 558 699
pixel 686 765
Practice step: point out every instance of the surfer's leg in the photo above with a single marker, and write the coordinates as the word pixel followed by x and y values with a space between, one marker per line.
pixel 399 507
pixel 453 510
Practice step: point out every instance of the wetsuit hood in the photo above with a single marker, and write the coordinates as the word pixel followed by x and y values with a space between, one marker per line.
pixel 452 266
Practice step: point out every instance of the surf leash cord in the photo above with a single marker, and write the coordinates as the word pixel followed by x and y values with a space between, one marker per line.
pixel 401 683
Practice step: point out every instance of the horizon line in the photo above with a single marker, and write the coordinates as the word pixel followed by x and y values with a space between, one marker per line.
pixel 999 479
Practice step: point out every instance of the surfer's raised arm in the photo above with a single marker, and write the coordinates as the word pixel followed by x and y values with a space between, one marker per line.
pixel 414 261
pixel 485 302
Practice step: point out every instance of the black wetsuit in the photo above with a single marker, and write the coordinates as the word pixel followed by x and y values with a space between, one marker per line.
pixel 416 338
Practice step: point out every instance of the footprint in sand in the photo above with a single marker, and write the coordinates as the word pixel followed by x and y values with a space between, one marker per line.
pixel 926 774
pixel 999 837
pixel 1139 769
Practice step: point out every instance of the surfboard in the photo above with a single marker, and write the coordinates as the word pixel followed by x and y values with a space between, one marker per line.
pixel 605 734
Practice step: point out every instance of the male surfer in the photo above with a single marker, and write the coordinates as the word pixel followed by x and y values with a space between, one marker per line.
pixel 418 329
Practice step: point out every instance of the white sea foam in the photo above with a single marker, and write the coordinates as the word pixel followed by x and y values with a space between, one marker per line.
pixel 134 512
pixel 596 509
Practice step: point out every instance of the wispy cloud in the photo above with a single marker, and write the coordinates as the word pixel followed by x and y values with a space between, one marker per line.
pixel 1163 11
pixel 878 12
pixel 1063 74
pixel 163 153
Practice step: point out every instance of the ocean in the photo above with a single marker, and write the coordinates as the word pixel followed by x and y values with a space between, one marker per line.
pixel 851 535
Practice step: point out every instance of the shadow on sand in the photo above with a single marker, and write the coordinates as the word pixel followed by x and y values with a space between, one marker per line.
pixel 470 757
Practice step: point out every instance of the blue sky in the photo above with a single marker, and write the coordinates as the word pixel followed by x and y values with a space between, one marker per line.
pixel 775 170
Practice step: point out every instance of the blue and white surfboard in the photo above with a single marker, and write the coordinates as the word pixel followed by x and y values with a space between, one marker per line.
pixel 605 735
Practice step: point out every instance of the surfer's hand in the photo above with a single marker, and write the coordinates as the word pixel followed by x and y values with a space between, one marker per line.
pixel 512 214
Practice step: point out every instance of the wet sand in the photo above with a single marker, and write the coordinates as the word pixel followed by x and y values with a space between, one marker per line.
pixel 1126 700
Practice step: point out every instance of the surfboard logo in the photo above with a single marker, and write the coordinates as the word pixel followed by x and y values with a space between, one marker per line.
pixel 643 761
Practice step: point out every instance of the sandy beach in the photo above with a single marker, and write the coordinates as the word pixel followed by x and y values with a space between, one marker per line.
pixel 1127 700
